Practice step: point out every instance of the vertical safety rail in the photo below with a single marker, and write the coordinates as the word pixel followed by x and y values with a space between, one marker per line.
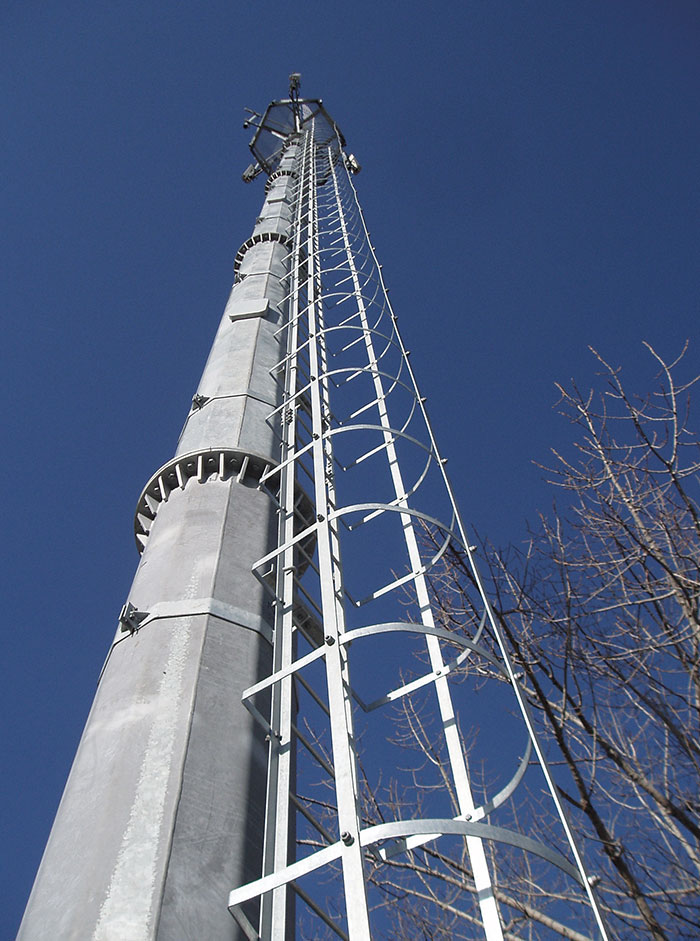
pixel 278 828
pixel 482 878
pixel 333 595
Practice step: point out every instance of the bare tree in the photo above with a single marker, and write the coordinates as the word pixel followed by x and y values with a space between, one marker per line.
pixel 601 611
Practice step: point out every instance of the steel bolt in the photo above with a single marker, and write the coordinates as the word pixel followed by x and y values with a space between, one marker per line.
pixel 347 838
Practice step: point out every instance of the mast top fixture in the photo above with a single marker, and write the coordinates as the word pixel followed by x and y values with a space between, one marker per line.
pixel 294 83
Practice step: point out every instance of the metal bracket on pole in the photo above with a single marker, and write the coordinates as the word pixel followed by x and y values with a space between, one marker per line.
pixel 130 618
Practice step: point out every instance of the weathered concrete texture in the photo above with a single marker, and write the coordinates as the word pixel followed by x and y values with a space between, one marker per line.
pixel 166 797
pixel 163 810
pixel 217 842
pixel 236 379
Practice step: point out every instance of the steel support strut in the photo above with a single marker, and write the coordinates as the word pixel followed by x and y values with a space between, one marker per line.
pixel 458 768
pixel 333 596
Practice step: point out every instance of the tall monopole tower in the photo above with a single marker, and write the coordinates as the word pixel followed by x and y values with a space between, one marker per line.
pixel 288 738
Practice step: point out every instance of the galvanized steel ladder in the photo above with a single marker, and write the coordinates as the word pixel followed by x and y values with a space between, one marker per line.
pixel 355 441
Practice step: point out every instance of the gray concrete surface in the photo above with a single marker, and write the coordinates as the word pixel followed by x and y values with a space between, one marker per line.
pixel 163 810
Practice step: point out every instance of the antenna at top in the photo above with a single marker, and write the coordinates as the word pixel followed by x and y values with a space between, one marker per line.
pixel 294 84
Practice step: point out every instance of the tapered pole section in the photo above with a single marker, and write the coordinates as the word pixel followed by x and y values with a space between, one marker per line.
pixel 164 808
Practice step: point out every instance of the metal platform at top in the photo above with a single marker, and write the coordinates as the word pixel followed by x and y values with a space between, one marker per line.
pixel 284 118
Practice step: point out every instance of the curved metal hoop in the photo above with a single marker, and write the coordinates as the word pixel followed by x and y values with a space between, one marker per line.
pixel 399 829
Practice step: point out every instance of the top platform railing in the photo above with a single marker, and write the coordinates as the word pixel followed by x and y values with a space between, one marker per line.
pixel 281 120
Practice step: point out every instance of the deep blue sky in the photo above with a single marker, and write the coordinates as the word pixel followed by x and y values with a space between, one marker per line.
pixel 531 182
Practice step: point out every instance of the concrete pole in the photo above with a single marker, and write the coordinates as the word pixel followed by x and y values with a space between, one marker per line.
pixel 164 807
